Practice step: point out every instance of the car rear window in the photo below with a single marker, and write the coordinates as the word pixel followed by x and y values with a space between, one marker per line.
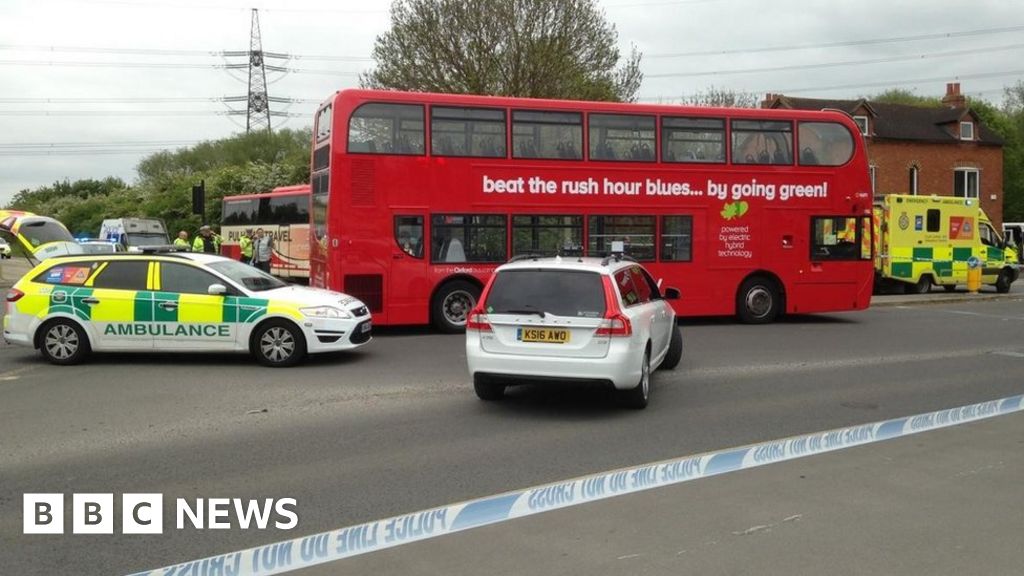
pixel 559 292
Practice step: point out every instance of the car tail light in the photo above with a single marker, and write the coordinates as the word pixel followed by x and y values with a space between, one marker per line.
pixel 13 295
pixel 615 322
pixel 477 320
pixel 615 325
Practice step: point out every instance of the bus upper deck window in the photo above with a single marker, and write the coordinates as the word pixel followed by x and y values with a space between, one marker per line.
pixel 824 144
pixel 386 129
pixel 478 132
pixel 555 135
pixel 762 142
pixel 693 140
pixel 622 138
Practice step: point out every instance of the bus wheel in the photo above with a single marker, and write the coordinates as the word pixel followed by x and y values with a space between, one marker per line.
pixel 923 285
pixel 452 305
pixel 758 301
pixel 1003 282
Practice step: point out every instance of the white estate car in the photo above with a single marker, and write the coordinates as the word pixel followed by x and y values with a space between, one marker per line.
pixel 572 319
pixel 159 301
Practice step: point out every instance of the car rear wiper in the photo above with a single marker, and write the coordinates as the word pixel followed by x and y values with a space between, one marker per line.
pixel 540 313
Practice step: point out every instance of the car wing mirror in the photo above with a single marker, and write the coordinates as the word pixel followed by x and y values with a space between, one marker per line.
pixel 672 294
pixel 217 289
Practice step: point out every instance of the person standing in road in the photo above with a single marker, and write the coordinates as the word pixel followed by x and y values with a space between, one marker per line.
pixel 245 245
pixel 262 249
pixel 206 241
pixel 181 241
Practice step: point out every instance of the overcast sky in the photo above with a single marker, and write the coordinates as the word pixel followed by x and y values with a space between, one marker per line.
pixel 146 76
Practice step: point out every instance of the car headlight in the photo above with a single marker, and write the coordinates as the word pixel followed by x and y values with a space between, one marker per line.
pixel 325 312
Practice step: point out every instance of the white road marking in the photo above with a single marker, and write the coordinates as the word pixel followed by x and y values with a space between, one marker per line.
pixel 830 364
pixel 982 315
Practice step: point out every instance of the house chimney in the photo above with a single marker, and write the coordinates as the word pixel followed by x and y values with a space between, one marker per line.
pixel 953 97
pixel 769 99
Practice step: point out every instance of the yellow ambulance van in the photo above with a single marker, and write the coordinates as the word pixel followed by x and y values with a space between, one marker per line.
pixel 925 241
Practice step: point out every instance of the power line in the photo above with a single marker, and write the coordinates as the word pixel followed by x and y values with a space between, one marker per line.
pixel 57 145
pixel 666 3
pixel 112 152
pixel 890 59
pixel 58 63
pixel 333 58
pixel 169 52
pixel 222 7
pixel 151 100
pixel 100 50
pixel 139 113
pixel 877 84
pixel 103 100
pixel 945 78
pixel 168 65
pixel 733 51
pixel 842 43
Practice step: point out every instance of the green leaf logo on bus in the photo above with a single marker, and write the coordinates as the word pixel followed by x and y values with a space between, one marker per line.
pixel 733 210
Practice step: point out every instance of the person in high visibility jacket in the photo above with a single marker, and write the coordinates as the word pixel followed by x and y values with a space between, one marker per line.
pixel 182 241
pixel 245 244
pixel 207 241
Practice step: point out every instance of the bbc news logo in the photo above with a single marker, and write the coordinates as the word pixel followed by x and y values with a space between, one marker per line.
pixel 144 514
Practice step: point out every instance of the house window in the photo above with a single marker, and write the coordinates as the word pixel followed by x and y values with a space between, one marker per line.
pixel 967 131
pixel 913 180
pixel 965 182
pixel 862 124
pixel 874 176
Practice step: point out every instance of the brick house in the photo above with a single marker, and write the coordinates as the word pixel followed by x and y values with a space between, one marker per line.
pixel 945 150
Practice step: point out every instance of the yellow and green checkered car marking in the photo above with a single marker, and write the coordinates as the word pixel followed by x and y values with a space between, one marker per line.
pixel 69 301
pixel 146 307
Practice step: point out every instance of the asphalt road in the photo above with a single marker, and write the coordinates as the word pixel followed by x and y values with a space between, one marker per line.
pixel 395 427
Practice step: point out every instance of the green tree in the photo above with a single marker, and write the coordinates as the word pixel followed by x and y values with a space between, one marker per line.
pixel 723 98
pixel 527 48
pixel 1013 152
pixel 240 164
pixel 904 96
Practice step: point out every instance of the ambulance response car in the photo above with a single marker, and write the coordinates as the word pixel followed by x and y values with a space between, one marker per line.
pixel 175 301
pixel 926 241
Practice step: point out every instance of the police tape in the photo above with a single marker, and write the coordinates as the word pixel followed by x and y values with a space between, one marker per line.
pixel 334 545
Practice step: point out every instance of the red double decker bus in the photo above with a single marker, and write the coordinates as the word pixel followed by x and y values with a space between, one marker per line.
pixel 284 214
pixel 417 197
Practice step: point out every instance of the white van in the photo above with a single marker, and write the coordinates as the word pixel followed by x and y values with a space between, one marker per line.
pixel 134 233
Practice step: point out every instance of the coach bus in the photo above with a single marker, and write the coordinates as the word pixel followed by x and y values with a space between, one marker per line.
pixel 417 197
pixel 284 214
